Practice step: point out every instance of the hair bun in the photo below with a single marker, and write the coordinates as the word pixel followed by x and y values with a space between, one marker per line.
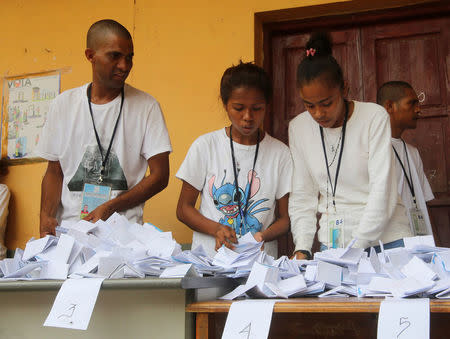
pixel 321 43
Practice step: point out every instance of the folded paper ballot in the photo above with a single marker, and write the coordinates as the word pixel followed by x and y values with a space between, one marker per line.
pixel 116 248
pixel 179 271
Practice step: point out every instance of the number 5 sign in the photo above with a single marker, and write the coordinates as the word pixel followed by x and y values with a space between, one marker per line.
pixel 404 318
pixel 249 319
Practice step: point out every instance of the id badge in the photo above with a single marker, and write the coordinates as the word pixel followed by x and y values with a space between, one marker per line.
pixel 93 196
pixel 336 230
pixel 418 222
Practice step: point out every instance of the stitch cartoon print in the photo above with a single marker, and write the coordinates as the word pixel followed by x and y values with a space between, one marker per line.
pixel 226 200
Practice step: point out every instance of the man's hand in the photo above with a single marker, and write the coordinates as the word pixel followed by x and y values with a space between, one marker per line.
pixel 47 226
pixel 104 211
pixel 225 236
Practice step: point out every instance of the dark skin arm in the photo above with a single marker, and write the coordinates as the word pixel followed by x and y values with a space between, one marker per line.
pixel 144 190
pixel 50 198
pixel 189 215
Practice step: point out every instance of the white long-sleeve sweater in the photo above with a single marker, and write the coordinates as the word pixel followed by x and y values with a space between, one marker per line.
pixel 367 187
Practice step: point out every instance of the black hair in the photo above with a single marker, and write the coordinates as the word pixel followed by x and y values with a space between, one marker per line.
pixel 319 62
pixel 392 90
pixel 245 74
pixel 99 29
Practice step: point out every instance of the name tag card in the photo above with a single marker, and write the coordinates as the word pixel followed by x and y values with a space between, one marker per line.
pixel 419 225
pixel 93 196
pixel 404 318
pixel 249 319
pixel 336 224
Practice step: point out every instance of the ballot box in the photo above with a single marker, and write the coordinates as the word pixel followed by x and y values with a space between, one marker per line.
pixel 125 308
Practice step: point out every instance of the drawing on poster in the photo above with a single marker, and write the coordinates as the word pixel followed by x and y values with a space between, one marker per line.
pixel 26 100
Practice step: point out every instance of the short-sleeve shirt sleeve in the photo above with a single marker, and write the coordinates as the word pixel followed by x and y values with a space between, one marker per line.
pixel 156 138
pixel 50 138
pixel 193 169
pixel 426 188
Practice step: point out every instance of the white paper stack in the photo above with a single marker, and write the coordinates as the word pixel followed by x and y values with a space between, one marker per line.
pixel 116 248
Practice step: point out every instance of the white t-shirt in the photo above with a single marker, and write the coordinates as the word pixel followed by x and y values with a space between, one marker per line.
pixel 68 137
pixel 367 186
pixel 208 167
pixel 422 188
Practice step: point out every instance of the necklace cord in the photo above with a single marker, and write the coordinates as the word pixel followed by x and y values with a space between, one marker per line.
pixel 242 215
pixel 105 158
pixel 333 188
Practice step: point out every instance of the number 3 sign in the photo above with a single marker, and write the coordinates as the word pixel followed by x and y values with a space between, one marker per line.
pixel 404 318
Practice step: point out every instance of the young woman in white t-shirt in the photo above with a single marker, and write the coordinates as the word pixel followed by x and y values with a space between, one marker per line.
pixel 343 162
pixel 242 174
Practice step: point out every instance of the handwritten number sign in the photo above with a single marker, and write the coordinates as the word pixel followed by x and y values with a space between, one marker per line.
pixel 404 319
pixel 247 330
pixel 69 314
pixel 249 319
pixel 74 303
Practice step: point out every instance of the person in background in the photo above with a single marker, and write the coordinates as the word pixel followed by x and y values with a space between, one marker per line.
pixel 242 174
pixel 401 102
pixel 4 202
pixel 343 162
pixel 103 136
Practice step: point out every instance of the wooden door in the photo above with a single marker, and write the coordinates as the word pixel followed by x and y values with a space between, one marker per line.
pixel 418 52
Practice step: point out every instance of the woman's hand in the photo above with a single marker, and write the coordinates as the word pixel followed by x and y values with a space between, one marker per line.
pixel 299 256
pixel 225 236
pixel 259 237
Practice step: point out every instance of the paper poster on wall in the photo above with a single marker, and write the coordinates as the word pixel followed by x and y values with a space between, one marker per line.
pixel 26 101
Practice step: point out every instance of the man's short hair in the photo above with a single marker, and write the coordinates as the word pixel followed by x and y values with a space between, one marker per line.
pixel 392 90
pixel 100 29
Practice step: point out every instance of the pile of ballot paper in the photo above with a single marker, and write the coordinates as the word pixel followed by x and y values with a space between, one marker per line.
pixel 111 249
pixel 116 248
pixel 418 269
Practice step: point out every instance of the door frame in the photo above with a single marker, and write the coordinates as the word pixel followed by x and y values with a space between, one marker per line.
pixel 341 15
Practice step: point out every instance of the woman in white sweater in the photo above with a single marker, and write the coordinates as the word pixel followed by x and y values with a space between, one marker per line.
pixel 343 163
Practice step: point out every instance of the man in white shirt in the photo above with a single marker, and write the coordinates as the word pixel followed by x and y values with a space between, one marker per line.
pixel 401 102
pixel 100 138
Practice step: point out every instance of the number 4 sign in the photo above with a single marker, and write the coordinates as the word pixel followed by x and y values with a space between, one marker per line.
pixel 249 319
pixel 404 318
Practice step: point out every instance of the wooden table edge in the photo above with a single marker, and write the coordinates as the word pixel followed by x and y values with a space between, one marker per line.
pixel 314 306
